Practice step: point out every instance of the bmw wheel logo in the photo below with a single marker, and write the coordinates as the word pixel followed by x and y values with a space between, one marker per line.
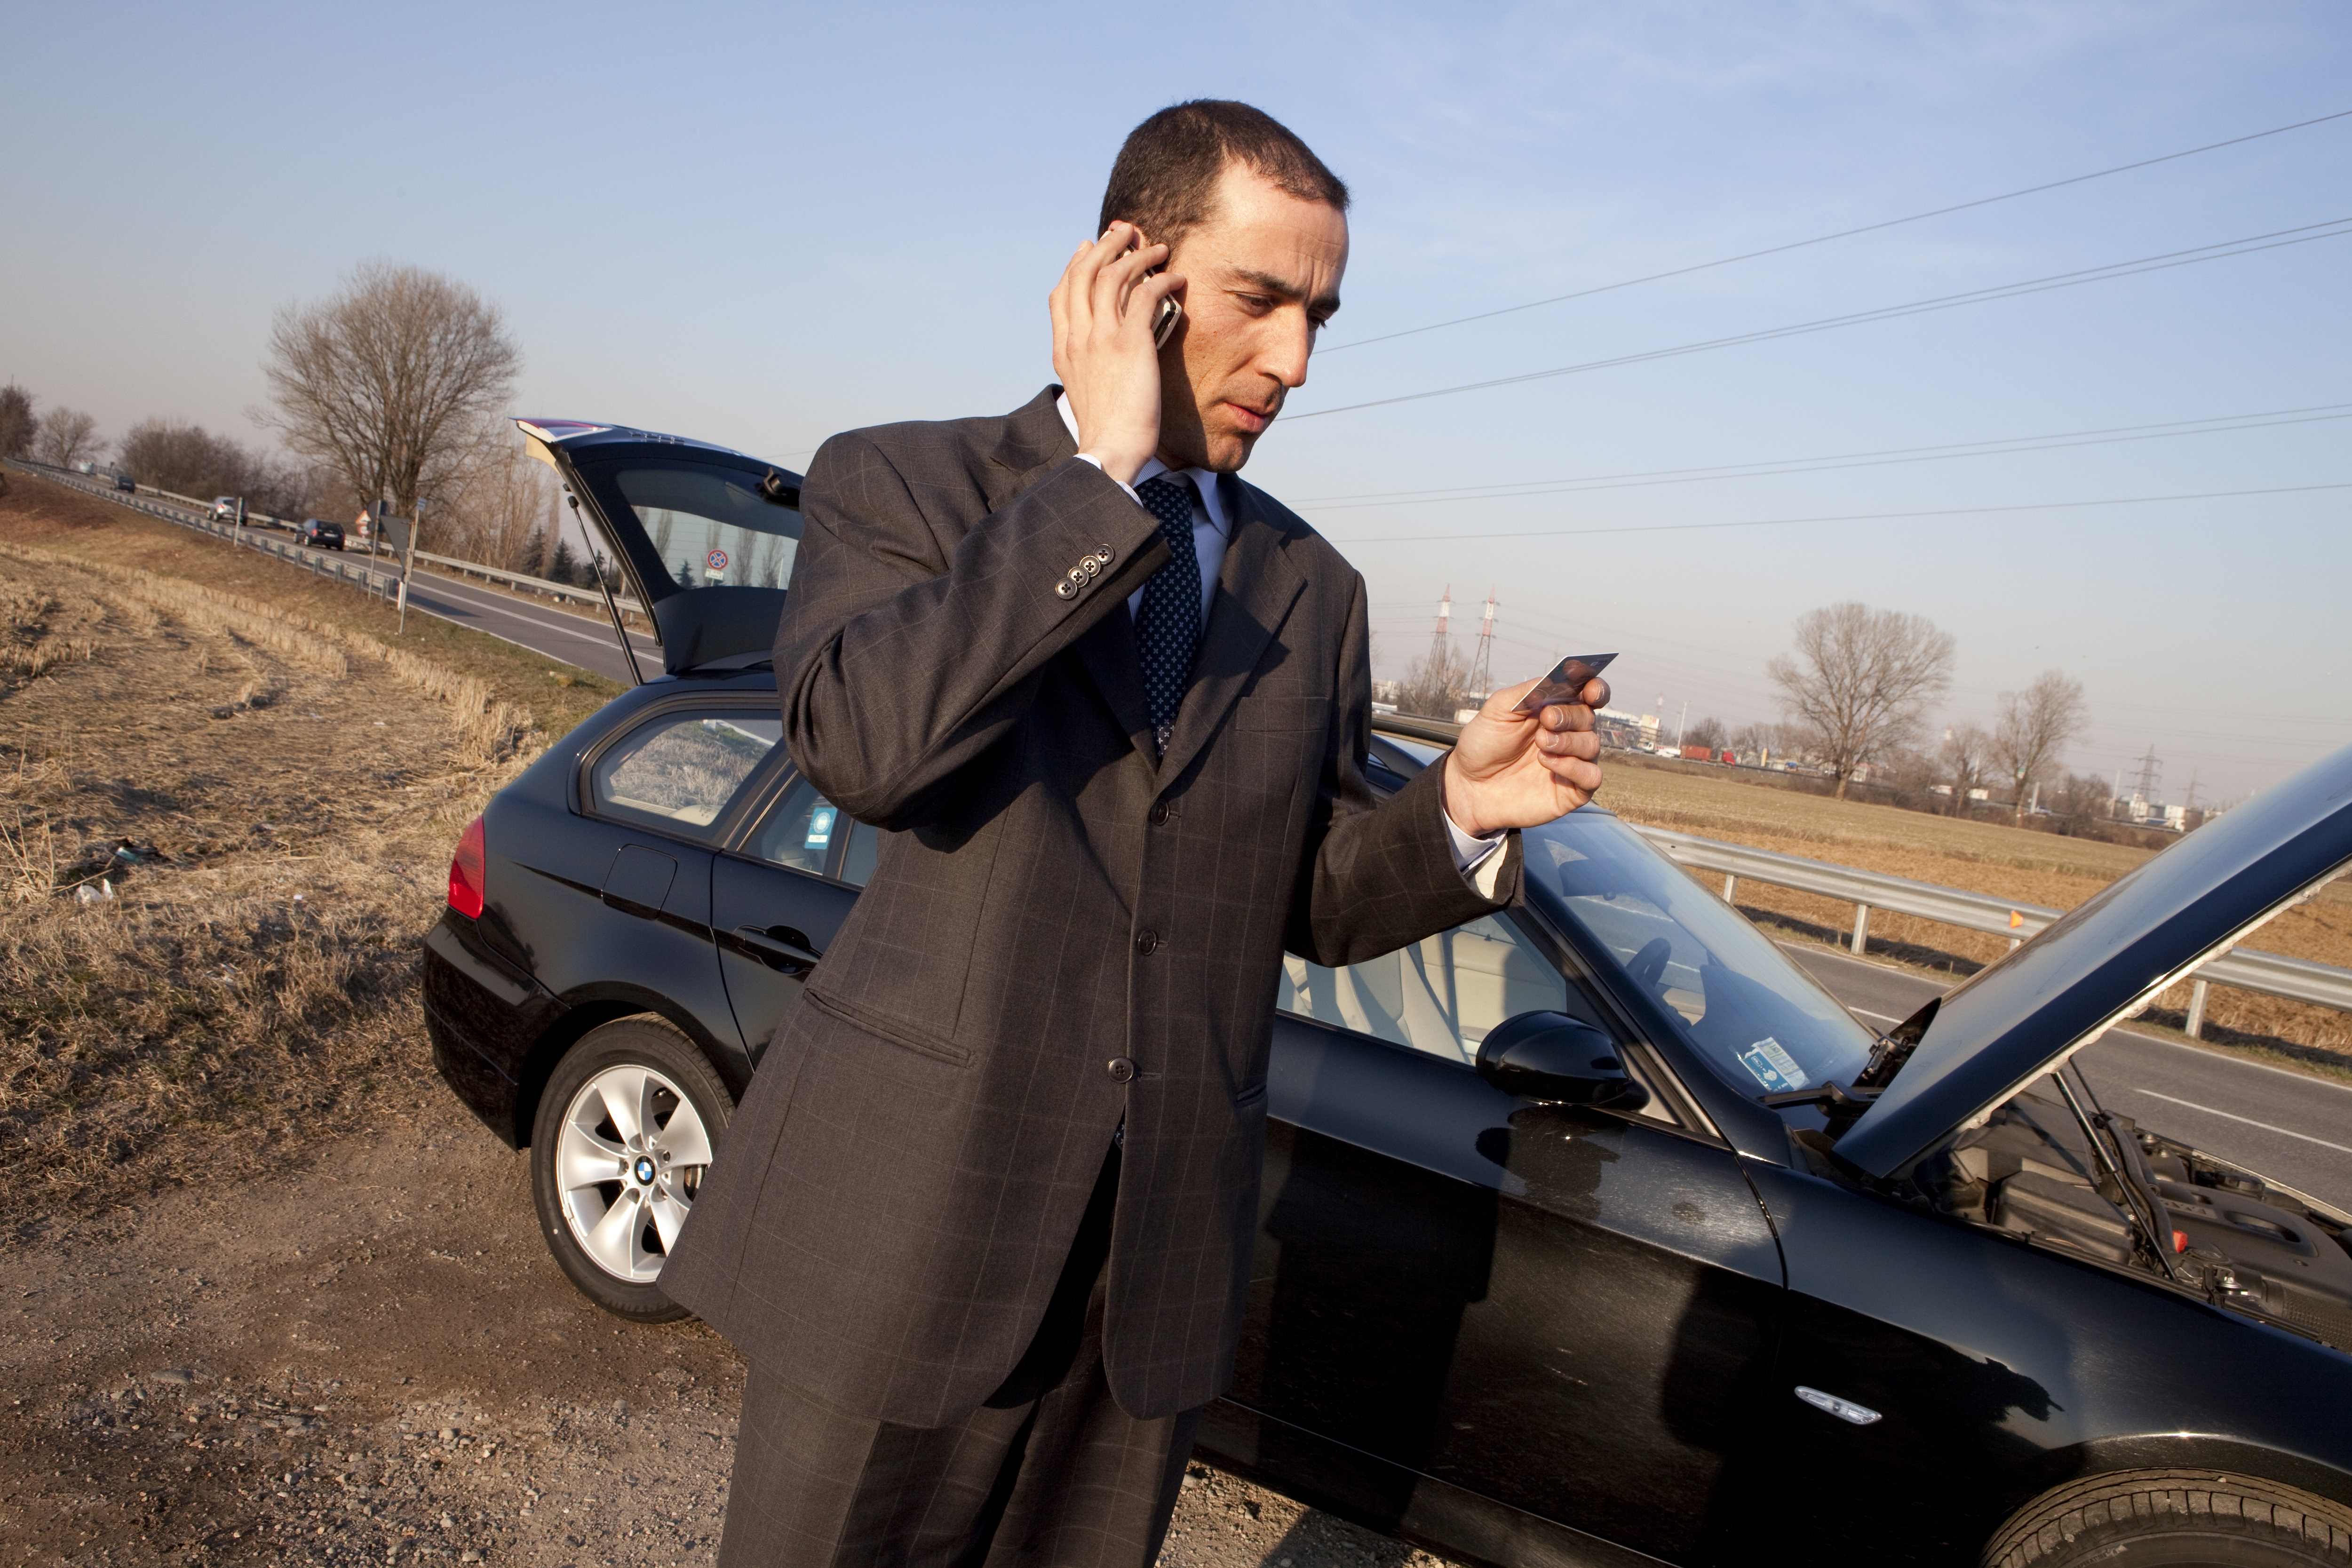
pixel 644 1171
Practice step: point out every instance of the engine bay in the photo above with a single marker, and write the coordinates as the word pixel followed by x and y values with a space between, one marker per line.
pixel 2033 1169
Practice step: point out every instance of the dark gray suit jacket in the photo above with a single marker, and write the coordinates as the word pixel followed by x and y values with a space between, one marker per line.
pixel 1061 932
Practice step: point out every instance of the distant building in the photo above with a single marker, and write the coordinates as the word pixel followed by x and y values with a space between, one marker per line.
pixel 1628 732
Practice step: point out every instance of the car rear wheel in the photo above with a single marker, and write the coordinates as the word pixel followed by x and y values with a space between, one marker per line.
pixel 2169 1518
pixel 625 1130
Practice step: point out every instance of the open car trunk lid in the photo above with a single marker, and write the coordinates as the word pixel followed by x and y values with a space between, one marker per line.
pixel 704 537
pixel 2108 959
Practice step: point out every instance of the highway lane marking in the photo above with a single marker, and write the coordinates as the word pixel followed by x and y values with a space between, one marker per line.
pixel 2207 1052
pixel 525 613
pixel 2249 1121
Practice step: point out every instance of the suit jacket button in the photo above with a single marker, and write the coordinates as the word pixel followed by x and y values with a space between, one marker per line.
pixel 1160 813
pixel 1065 589
pixel 1106 554
pixel 1121 1070
pixel 1148 943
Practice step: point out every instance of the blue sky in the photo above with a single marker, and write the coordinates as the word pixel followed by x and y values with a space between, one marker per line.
pixel 761 225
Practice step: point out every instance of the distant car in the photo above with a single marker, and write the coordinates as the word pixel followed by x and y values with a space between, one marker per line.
pixel 125 482
pixel 321 535
pixel 223 507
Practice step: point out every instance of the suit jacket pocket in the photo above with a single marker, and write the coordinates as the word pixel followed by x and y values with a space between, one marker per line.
pixel 1282 713
pixel 902 1034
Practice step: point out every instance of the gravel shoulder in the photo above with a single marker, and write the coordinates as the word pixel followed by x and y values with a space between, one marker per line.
pixel 369 1356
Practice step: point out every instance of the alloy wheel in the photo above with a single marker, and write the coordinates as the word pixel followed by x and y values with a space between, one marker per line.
pixel 628 1161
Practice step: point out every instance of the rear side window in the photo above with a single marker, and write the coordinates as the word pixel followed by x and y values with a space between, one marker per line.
pixel 680 771
pixel 808 833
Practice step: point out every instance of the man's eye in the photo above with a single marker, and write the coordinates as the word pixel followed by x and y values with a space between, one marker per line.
pixel 1255 304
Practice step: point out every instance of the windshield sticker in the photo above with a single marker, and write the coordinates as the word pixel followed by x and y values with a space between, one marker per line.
pixel 1774 1067
pixel 821 832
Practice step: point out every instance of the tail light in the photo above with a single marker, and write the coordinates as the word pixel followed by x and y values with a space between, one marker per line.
pixel 466 872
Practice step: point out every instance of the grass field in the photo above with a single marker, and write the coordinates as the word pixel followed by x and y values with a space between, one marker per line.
pixel 228 794
pixel 1982 857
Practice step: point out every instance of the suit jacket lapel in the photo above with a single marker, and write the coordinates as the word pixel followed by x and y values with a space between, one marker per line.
pixel 1255 588
pixel 1034 439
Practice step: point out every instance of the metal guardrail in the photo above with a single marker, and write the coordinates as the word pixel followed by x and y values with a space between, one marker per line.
pixel 534 585
pixel 317 560
pixel 2247 969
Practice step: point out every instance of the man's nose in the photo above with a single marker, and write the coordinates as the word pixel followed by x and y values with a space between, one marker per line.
pixel 1290 339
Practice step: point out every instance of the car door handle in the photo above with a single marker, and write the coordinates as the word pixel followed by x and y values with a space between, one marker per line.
pixel 779 947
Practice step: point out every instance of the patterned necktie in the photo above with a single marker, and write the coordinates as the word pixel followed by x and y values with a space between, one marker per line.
pixel 1168 622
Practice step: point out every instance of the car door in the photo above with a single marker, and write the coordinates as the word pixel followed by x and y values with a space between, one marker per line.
pixel 1565 1312
pixel 653 800
pixel 779 896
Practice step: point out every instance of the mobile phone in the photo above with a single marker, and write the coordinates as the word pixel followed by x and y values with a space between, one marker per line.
pixel 1165 327
pixel 1565 682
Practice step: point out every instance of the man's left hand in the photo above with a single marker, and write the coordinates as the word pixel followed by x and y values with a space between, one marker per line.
pixel 1523 770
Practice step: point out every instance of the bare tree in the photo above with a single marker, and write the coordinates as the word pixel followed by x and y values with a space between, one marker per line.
pixel 2035 725
pixel 496 505
pixel 1708 732
pixel 1433 685
pixel 192 461
pixel 392 383
pixel 1966 756
pixel 68 436
pixel 18 423
pixel 1858 681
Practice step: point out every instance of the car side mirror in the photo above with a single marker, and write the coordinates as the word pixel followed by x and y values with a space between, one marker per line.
pixel 1555 1060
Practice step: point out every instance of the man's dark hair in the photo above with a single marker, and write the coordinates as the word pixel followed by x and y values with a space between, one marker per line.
pixel 1165 181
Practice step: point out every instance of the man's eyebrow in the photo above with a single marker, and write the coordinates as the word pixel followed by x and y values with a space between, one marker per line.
pixel 1281 288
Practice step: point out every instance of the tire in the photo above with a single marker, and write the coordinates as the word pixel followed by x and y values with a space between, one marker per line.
pixel 638 1098
pixel 2169 1519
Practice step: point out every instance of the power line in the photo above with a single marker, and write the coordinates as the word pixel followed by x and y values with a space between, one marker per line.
pixel 1845 517
pixel 1841 234
pixel 2219 424
pixel 2303 233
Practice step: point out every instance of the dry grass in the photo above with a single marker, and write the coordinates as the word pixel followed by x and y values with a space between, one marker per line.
pixel 1982 857
pixel 224 825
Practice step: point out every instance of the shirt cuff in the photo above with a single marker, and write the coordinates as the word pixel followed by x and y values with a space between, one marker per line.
pixel 1105 473
pixel 1476 859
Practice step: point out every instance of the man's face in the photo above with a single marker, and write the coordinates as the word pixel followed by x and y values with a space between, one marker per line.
pixel 1261 276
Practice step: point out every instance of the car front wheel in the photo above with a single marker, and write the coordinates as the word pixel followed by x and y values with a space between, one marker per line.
pixel 625 1130
pixel 2146 1519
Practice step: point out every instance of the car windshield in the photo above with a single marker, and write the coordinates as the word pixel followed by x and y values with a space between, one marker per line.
pixel 1758 1019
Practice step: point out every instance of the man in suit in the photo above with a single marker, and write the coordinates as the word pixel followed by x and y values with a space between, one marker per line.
pixel 984 1222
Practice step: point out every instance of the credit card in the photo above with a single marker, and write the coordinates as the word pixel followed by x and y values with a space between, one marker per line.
pixel 1565 682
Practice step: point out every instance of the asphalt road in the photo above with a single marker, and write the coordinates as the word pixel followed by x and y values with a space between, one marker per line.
pixel 574 639
pixel 2288 1126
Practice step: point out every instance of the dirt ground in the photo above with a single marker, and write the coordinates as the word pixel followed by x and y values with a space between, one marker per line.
pixel 273 1295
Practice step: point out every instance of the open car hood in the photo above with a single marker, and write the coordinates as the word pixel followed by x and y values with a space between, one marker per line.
pixel 2108 959
pixel 704 537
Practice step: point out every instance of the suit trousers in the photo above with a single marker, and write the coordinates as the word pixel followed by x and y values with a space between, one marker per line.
pixel 1049 1473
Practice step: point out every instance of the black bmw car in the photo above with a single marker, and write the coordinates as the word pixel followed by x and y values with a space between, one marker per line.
pixel 1592 1231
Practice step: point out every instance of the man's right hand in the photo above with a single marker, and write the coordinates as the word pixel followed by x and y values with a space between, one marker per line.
pixel 1103 310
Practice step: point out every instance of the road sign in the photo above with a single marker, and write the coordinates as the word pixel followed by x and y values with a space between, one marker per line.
pixel 717 562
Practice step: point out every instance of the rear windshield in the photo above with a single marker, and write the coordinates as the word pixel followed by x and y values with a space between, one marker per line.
pixel 1760 1020
pixel 710 525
